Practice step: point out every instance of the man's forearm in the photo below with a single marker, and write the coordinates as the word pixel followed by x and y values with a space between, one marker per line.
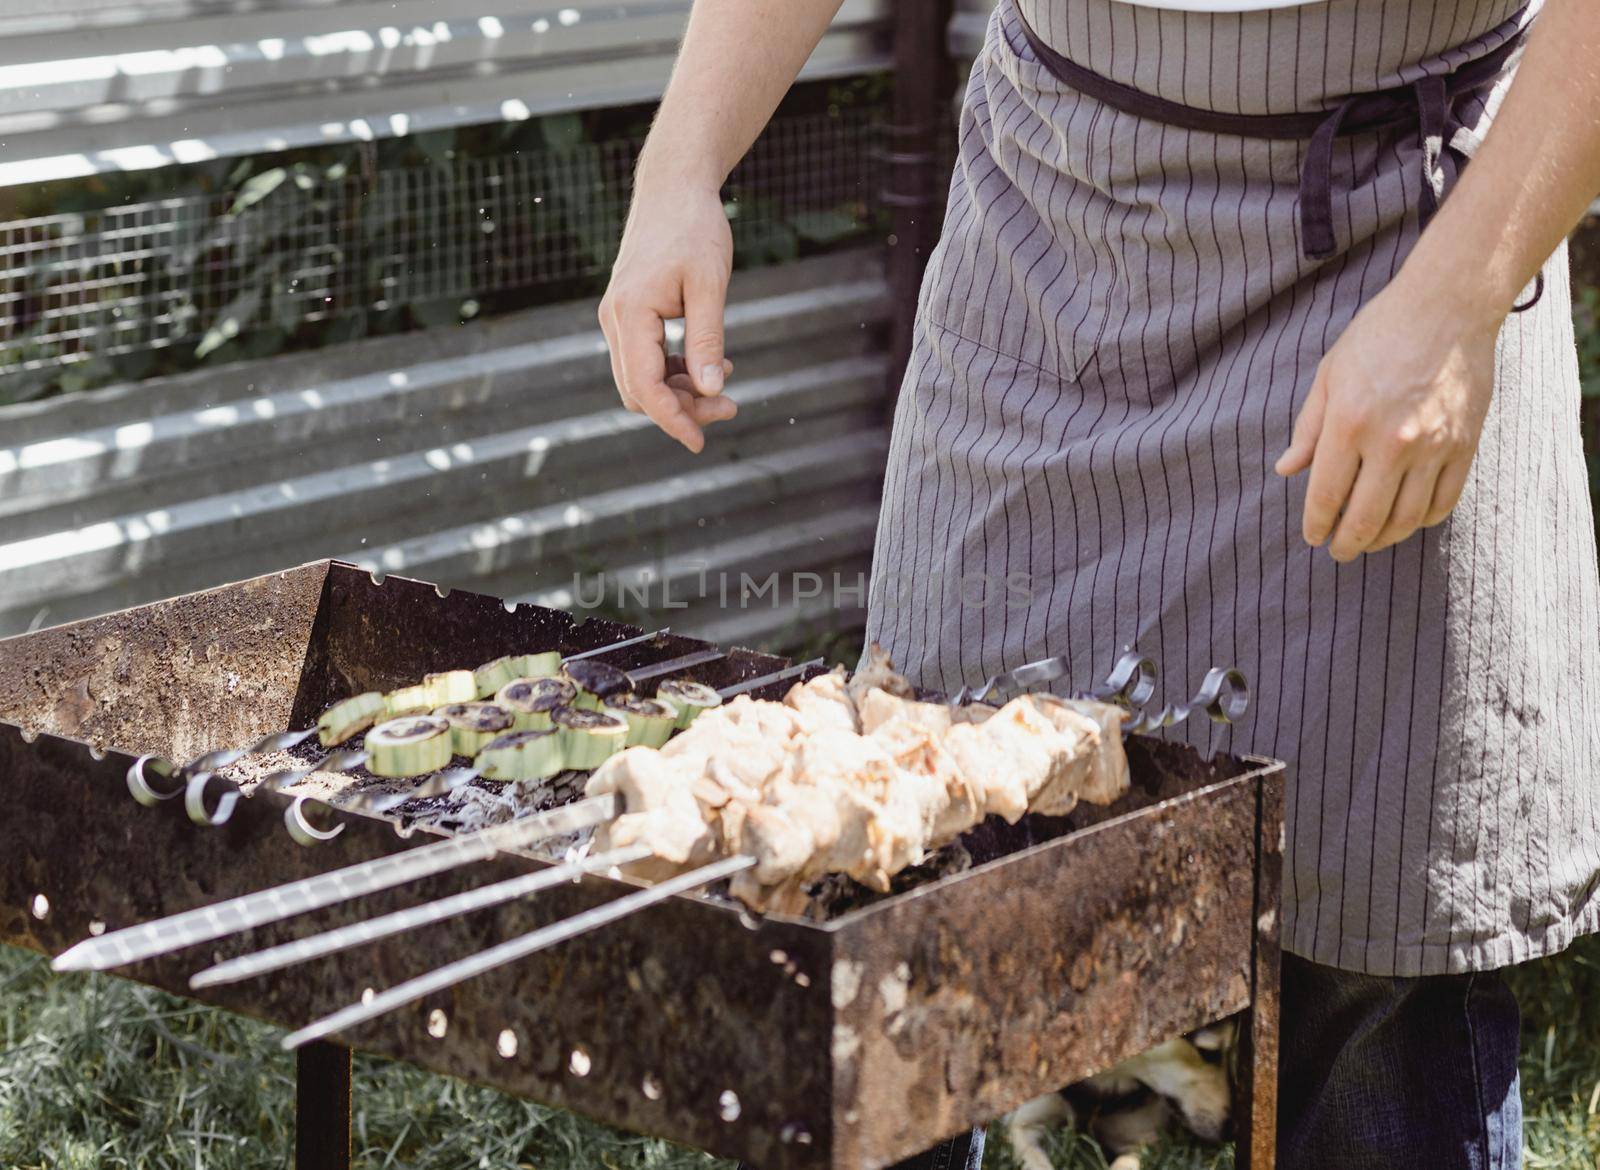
pixel 739 58
pixel 1533 178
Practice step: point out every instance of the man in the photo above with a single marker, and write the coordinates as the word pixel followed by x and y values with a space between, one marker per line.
pixel 1202 308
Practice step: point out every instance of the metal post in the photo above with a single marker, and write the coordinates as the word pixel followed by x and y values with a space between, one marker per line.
pixel 1256 1108
pixel 322 1107
pixel 922 84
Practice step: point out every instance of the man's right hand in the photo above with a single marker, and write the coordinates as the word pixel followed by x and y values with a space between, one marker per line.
pixel 675 260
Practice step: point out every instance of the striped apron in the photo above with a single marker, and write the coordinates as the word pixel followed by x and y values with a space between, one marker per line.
pixel 1115 333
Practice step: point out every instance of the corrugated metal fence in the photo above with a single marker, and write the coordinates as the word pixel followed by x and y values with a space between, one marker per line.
pixel 100 85
pixel 491 457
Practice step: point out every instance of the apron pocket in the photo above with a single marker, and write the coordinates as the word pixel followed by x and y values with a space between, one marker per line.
pixel 1014 284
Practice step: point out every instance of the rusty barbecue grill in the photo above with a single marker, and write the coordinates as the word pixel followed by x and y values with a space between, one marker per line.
pixel 1069 944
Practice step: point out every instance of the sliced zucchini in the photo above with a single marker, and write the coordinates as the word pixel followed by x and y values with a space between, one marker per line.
pixel 472 725
pixel 491 676
pixel 450 686
pixel 521 755
pixel 687 698
pixel 596 680
pixel 412 746
pixel 650 721
pixel 588 737
pixel 530 700
pixel 350 717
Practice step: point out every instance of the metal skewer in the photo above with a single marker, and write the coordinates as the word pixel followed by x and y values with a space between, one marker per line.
pixel 207 923
pixel 1130 684
pixel 342 938
pixel 1224 696
pixel 610 646
pixel 766 680
pixel 513 949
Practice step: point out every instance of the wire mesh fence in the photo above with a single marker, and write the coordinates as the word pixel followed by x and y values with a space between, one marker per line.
pixel 291 247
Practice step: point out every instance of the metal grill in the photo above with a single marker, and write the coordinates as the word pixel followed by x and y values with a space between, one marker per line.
pixel 197 270
pixel 845 1044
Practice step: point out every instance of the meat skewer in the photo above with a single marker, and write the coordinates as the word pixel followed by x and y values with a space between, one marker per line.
pixel 852 776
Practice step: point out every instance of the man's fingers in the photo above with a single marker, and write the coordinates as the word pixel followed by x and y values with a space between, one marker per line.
pixel 1367 510
pixel 1333 470
pixel 705 295
pixel 1447 491
pixel 705 411
pixel 1411 505
pixel 678 370
pixel 608 328
pixel 1307 429
pixel 644 369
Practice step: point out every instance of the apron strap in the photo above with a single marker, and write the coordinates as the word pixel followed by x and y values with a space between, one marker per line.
pixel 1428 105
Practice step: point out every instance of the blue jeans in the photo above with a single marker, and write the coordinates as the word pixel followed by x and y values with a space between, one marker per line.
pixel 1379 1074
pixel 1389 1074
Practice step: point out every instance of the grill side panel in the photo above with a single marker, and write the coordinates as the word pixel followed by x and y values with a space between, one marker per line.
pixel 178 677
pixel 960 1002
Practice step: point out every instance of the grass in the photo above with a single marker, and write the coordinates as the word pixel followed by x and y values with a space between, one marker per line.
pixel 98 1073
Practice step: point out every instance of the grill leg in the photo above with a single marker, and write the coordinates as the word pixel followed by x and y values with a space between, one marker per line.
pixel 322 1107
pixel 1257 1105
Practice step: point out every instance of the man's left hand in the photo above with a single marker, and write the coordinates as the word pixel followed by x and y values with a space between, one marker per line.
pixel 1391 425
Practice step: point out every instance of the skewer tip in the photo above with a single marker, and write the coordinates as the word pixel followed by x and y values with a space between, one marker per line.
pixel 304 1036
pixel 77 958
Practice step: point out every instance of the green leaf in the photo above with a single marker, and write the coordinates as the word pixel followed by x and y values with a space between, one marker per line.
pixel 257 188
pixel 235 317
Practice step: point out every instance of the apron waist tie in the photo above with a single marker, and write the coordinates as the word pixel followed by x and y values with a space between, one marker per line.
pixel 1428 106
